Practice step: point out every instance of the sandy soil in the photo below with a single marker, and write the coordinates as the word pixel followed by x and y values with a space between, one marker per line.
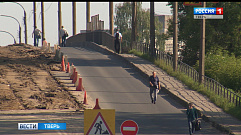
pixel 25 81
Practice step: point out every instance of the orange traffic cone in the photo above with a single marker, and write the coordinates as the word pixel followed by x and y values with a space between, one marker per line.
pixel 85 98
pixel 72 76
pixel 79 87
pixel 97 104
pixel 62 64
pixel 67 70
pixel 75 77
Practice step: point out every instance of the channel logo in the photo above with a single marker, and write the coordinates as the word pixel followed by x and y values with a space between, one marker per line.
pixel 208 11
pixel 41 126
pixel 27 126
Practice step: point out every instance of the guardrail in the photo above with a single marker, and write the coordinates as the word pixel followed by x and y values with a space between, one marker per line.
pixel 209 83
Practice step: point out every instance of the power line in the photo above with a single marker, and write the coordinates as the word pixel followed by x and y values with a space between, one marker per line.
pixel 48 7
pixel 30 14
pixel 37 6
pixel 38 17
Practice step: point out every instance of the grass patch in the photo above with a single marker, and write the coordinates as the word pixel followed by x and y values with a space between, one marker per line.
pixel 219 101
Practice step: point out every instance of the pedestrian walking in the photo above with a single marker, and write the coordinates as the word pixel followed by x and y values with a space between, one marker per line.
pixel 155 86
pixel 192 117
pixel 63 34
pixel 37 35
pixel 118 40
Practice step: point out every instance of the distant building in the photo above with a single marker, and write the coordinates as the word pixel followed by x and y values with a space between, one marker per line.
pixel 168 46
pixel 164 20
pixel 95 24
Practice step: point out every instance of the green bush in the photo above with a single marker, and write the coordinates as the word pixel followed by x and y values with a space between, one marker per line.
pixel 224 68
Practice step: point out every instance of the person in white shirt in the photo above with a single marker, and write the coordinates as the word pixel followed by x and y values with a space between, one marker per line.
pixel 118 40
pixel 63 34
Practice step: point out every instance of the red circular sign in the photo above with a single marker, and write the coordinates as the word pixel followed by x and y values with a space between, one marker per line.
pixel 129 127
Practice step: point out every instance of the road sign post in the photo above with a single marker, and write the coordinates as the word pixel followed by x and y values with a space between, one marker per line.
pixel 99 121
pixel 129 127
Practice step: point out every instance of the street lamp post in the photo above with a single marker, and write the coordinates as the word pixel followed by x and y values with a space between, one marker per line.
pixel 9 34
pixel 18 24
pixel 25 22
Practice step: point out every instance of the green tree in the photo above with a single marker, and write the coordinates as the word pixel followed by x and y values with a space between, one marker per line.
pixel 224 33
pixel 222 42
pixel 123 21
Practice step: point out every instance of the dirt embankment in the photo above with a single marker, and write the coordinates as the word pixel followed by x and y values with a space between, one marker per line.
pixel 25 82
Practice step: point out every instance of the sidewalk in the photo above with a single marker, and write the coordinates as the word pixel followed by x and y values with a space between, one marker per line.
pixel 178 91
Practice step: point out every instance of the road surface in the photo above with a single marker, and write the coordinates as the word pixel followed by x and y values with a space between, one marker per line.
pixel 119 87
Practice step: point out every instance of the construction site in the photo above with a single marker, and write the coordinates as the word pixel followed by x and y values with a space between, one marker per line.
pixel 29 89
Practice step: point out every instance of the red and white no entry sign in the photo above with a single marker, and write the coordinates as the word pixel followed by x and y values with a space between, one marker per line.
pixel 129 127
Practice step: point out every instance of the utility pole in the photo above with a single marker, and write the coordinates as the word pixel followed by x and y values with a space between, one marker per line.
pixel 175 57
pixel 59 21
pixel 202 50
pixel 111 18
pixel 25 25
pixel 152 30
pixel 20 34
pixel 42 15
pixel 87 14
pixel 133 32
pixel 74 18
pixel 34 19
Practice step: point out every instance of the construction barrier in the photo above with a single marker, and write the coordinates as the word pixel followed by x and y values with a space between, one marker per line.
pixel 72 76
pixel 62 64
pixel 48 49
pixel 71 70
pixel 85 98
pixel 77 80
pixel 65 59
pixel 67 70
pixel 97 104
pixel 75 77
pixel 79 86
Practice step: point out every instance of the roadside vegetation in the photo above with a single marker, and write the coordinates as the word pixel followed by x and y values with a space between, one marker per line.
pixel 222 42
pixel 221 102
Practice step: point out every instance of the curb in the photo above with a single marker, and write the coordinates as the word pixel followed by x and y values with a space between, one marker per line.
pixel 58 57
pixel 173 96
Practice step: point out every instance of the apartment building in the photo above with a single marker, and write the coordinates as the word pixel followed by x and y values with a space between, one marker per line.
pixel 168 46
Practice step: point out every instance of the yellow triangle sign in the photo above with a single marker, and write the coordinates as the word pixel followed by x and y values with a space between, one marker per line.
pixel 99 127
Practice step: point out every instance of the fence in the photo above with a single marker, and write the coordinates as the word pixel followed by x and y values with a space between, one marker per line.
pixel 209 83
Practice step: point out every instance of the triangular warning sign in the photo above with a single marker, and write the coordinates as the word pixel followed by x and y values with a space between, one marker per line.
pixel 99 127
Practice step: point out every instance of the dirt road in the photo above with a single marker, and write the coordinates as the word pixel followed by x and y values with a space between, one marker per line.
pixel 25 82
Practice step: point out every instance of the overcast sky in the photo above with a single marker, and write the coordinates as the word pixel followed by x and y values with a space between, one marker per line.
pixel 51 18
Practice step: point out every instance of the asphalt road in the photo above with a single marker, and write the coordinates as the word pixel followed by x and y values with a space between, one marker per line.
pixel 120 87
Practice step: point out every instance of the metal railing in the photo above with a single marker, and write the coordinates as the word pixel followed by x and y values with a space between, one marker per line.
pixel 209 83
